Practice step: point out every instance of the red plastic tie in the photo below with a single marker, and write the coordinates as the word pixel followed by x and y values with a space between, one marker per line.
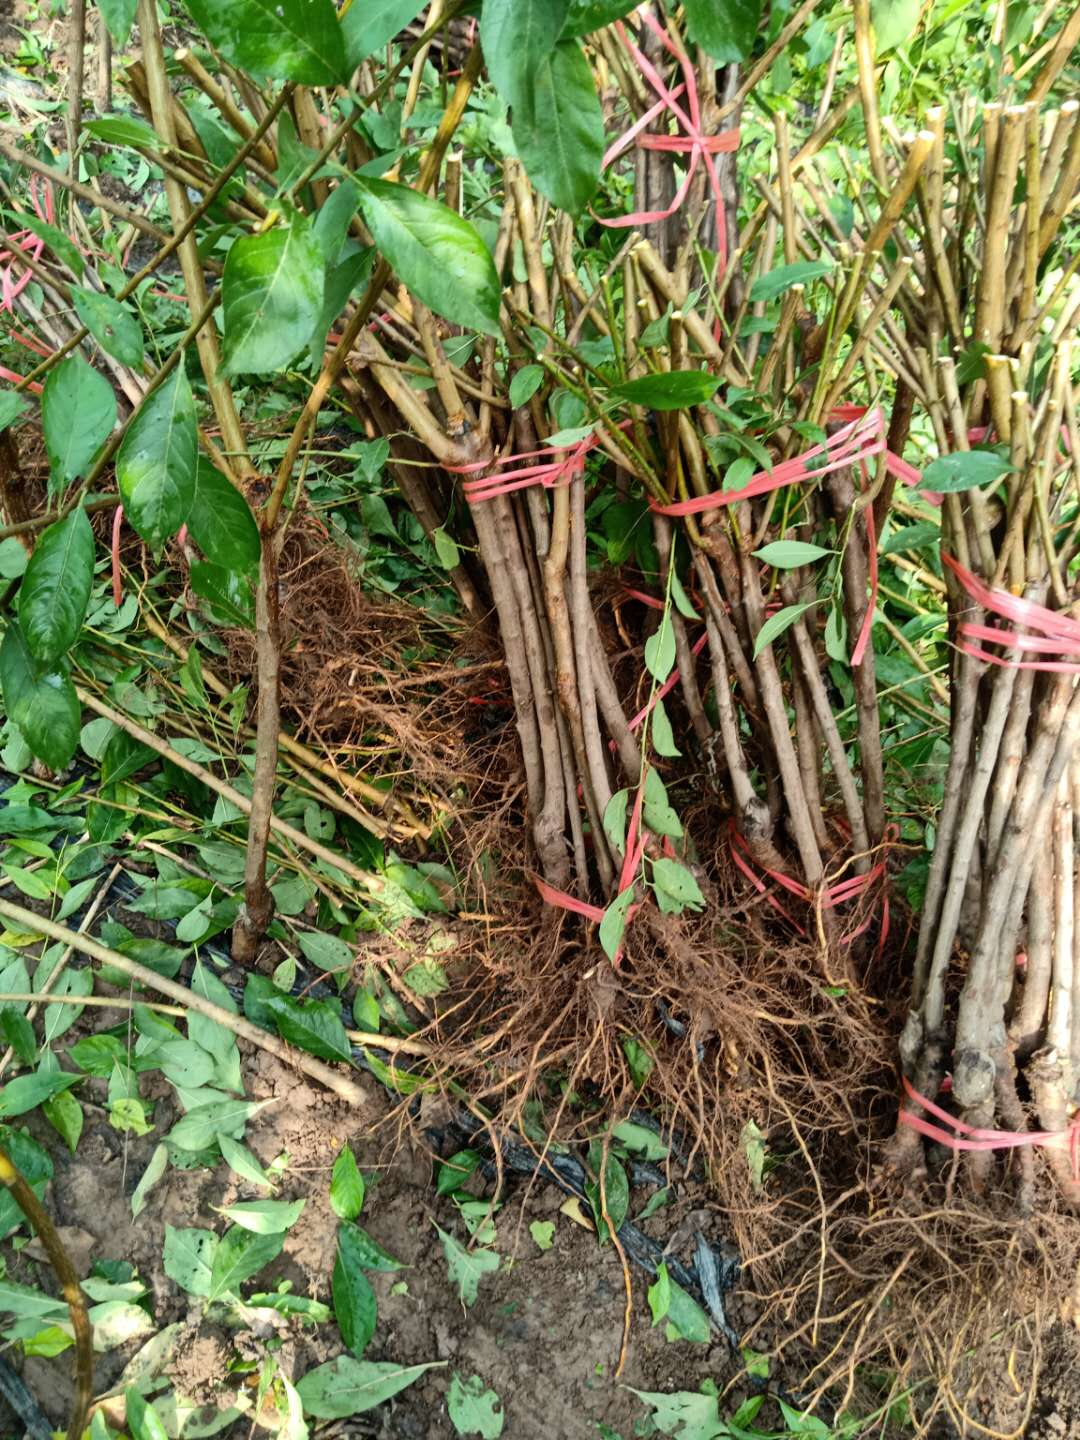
pixel 550 474
pixel 827 898
pixel 962 1136
pixel 693 142
pixel 855 441
pixel 667 687
pixel 1055 634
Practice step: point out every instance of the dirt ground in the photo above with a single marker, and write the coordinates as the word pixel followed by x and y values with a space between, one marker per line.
pixel 545 1332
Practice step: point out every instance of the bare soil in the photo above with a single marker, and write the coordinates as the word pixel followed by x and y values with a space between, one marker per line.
pixel 545 1332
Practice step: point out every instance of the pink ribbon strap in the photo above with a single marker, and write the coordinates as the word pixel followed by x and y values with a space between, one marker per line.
pixel 828 897
pixel 962 1136
pixel 636 841
pixel 1055 634
pixel 699 147
pixel 857 440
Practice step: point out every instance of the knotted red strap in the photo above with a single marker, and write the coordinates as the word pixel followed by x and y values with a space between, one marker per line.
pixel 636 841
pixel 962 1136
pixel 827 898
pixel 1055 634
pixel 692 142
pixel 12 286
pixel 857 440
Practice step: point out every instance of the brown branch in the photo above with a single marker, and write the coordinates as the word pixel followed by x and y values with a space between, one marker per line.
pixel 35 1213
pixel 31 924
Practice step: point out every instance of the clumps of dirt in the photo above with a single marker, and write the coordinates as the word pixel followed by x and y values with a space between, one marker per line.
pixel 199 1364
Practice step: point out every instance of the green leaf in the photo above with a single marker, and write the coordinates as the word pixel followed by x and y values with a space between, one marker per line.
pixel 363 1252
pixel 682 600
pixel 12 405
pixel 213 1037
pixel 22 1301
pixel 467 1267
pixel 543 1233
pixel 229 596
pixel 18 1032
pixel 40 701
pixel 454 1172
pixel 788 554
pixel 59 243
pixel 49 1342
pixel 726 29
pixel 558 126
pixel 372 25
pixel 836 635
pixel 297 40
pixel 427 977
pixel 565 439
pixel 615 819
pixel 669 390
pixel 313 1025
pixel 588 15
pixel 616 1195
pixel 660 1294
pixel 799 1422
pixel 638 1059
pixel 660 650
pixel 37 1168
pixel 799 272
pixel 912 537
pixel 140 1417
pixel 201 1126
pixel 895 21
pixel 445 548
pixel 74 389
pixel 65 1115
pixel 354 1300
pixel 663 737
pixel 682 1312
pixel 738 474
pixel 776 624
pixel 331 223
pixel 119 16
pixel 346 1185
pixel 189 1258
pixel 156 464
pixel 272 295
pixel 525 384
pixel 149 1178
pixel 474 1409
pixel 127 131
pixel 963 470
pixel 690 1414
pixel 264 1217
pixel 518 35
pixel 613 925
pixel 435 252
pixel 239 1255
pixel 241 1161
pixel 327 952
pixel 221 522
pixel 641 1140
pixel 56 587
pixel 341 281
pixel 347 1386
pixel 753 1143
pixel 657 812
pixel 112 325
